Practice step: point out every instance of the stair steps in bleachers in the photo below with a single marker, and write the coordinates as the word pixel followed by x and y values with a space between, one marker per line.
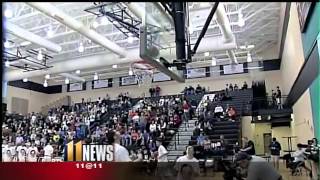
pixel 178 144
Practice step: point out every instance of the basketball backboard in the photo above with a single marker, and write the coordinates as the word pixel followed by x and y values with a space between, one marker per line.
pixel 157 39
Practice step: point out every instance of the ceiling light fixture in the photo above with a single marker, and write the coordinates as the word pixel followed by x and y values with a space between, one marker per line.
pixel 249 58
pixel 25 79
pixel 45 84
pixel 241 22
pixel 250 46
pixel 66 81
pixel 214 61
pixel 95 77
pixel 243 47
pixel 81 48
pixel 25 43
pixel 78 71
pixel 130 72
pixel 50 32
pixel 40 56
pixel 114 66
pixel 206 54
pixel 47 76
pixel 7 44
pixel 8 13
pixel 7 63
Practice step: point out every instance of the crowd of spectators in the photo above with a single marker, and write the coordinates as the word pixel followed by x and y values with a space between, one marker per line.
pixel 230 87
pixel 192 91
pixel 140 129
pixel 50 133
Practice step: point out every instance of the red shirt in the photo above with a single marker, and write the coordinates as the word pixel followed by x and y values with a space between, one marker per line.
pixel 185 106
pixel 134 136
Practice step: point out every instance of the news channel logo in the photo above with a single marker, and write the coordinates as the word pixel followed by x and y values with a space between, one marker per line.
pixel 89 152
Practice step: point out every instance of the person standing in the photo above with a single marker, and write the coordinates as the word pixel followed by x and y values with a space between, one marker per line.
pixel 189 160
pixel 32 153
pixel 275 149
pixel 274 99
pixel 278 96
pixel 121 154
pixel 48 152
pixel 186 108
pixel 158 89
pixel 162 167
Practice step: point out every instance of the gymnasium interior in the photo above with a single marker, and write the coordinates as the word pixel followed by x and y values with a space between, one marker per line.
pixel 247 71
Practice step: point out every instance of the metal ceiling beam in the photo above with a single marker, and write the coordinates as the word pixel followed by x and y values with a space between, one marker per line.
pixel 205 27
pixel 28 36
pixel 74 77
pixel 70 22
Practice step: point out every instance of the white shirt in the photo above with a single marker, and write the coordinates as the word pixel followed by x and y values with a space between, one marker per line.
pixel 185 160
pixel 153 127
pixel 162 154
pixel 33 119
pixel 22 154
pixel 135 118
pixel 299 155
pixel 48 150
pixel 32 154
pixel 5 148
pixel 121 154
pixel 13 150
pixel 6 156
pixel 218 109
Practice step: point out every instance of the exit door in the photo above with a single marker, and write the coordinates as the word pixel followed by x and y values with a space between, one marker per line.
pixel 267 138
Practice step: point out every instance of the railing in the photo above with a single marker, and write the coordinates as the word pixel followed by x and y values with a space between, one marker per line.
pixel 269 103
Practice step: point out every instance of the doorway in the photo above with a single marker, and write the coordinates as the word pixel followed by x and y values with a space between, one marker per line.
pixel 267 139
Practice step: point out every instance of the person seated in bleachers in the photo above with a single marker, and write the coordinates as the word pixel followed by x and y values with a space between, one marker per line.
pixel 232 113
pixel 230 87
pixel 245 86
pixel 191 90
pixel 200 140
pixel 218 111
pixel 197 131
pixel 227 89
pixel 198 89
pixel 236 87
pixel 207 144
pixel 185 91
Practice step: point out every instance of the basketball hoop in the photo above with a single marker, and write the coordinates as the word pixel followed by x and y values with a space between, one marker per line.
pixel 143 73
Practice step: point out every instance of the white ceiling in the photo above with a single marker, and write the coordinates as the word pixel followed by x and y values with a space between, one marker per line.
pixel 263 25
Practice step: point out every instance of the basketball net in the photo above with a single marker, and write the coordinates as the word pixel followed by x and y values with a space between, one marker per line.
pixel 143 73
